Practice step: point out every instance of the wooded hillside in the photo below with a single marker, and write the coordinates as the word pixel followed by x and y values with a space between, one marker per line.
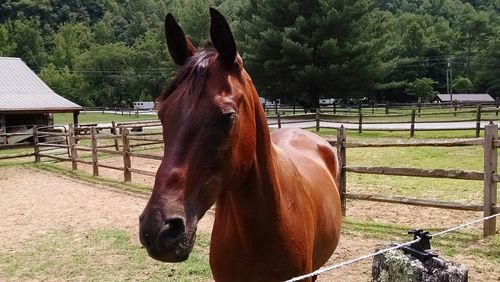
pixel 112 52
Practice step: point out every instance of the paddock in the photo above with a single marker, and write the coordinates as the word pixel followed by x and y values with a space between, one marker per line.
pixel 39 208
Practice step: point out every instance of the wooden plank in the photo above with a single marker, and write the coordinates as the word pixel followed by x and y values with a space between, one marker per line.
pixel 415 143
pixel 72 147
pixel 415 202
pixel 84 162
pixel 146 144
pixel 49 133
pixel 55 157
pixel 140 138
pixel 490 186
pixel 95 161
pixel 146 156
pixel 52 145
pixel 417 172
pixel 16 156
pixel 139 171
pixel 341 154
pixel 85 149
pixel 35 144
pixel 112 167
pixel 113 152
pixel 127 163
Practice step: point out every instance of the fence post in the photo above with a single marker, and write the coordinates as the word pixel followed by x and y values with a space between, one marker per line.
pixel 478 121
pixel 72 147
pixel 95 162
pixel 496 106
pixel 317 119
pixel 412 126
pixel 35 144
pixel 490 186
pixel 455 106
pixel 114 132
pixel 419 105
pixel 341 153
pixel 334 107
pixel 279 120
pixel 127 175
pixel 387 108
pixel 360 122
pixel 275 107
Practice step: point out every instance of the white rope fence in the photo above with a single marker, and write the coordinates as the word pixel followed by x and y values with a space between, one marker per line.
pixel 342 264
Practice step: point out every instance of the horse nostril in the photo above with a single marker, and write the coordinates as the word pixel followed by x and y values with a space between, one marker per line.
pixel 171 231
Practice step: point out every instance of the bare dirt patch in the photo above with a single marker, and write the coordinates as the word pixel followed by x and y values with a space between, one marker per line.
pixel 34 202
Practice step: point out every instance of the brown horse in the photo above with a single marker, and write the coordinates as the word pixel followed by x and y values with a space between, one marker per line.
pixel 277 204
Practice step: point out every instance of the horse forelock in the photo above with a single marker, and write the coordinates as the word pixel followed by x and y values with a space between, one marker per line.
pixel 192 77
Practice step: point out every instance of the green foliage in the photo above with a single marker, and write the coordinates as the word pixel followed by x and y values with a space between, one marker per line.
pixel 112 52
pixel 422 88
pixel 462 85
pixel 302 50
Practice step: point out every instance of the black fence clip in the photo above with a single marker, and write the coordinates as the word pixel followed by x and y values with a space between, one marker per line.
pixel 421 249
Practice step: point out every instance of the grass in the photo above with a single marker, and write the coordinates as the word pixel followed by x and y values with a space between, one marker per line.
pixel 111 254
pixel 66 118
pixel 353 135
pixel 98 255
pixel 462 242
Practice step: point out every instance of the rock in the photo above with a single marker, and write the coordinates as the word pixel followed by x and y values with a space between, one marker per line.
pixel 400 267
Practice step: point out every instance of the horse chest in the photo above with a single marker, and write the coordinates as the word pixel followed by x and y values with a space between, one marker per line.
pixel 265 259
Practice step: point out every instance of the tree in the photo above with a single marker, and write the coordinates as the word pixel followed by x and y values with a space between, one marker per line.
pixel 29 42
pixel 69 42
pixel 462 84
pixel 422 88
pixel 7 45
pixel 302 50
pixel 66 83
pixel 108 74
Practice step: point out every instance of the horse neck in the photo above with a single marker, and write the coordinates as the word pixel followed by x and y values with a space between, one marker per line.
pixel 254 206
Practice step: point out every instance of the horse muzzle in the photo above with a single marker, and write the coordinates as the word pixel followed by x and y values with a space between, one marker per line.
pixel 169 241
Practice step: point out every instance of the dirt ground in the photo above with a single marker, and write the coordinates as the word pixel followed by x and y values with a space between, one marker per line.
pixel 33 202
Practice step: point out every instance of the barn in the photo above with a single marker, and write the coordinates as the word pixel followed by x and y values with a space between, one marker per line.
pixel 466 98
pixel 26 101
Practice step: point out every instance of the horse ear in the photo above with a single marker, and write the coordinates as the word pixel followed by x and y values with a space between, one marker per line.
pixel 222 37
pixel 179 46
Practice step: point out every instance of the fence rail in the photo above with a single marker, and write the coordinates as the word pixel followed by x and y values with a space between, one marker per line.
pixel 488 176
pixel 88 147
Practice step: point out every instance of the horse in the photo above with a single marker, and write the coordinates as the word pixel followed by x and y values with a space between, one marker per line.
pixel 277 204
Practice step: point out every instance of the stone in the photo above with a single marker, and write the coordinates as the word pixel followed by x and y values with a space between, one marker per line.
pixel 397 266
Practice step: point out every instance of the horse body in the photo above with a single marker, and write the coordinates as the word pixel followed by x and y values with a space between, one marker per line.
pixel 277 203
pixel 284 224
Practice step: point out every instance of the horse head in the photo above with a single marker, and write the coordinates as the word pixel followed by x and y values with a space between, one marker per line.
pixel 208 119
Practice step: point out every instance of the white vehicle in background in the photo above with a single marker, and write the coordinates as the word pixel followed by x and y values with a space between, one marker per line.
pixel 326 102
pixel 144 105
pixel 269 103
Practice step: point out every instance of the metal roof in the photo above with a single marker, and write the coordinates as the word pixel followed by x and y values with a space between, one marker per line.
pixel 466 97
pixel 22 90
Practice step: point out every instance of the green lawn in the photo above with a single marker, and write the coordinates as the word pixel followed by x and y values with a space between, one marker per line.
pixel 98 255
pixel 66 118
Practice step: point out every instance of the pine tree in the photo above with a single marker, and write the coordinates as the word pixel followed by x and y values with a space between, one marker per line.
pixel 302 50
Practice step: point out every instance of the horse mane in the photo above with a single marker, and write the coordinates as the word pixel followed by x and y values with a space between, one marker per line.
pixel 194 72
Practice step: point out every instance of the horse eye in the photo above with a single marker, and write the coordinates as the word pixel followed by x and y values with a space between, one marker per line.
pixel 229 114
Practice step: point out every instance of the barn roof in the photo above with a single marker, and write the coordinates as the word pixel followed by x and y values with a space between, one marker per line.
pixel 21 90
pixel 466 97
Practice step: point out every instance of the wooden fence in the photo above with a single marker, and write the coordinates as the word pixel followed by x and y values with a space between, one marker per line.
pixel 489 176
pixel 67 144
pixel 321 119
pixel 122 139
